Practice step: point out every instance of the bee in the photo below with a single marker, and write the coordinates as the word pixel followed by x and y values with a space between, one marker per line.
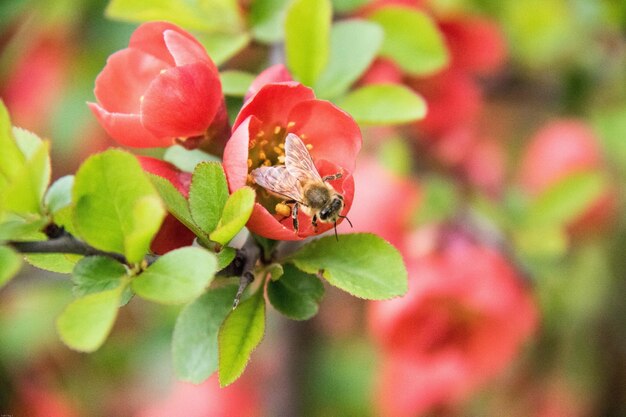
pixel 299 182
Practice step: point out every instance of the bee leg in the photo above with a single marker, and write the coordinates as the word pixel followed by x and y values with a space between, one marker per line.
pixel 332 177
pixel 314 223
pixel 294 216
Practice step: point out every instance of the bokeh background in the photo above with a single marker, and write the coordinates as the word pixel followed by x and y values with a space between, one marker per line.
pixel 516 174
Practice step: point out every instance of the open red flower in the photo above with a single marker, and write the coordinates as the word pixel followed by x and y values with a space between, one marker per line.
pixel 462 322
pixel 172 234
pixel 332 137
pixel 160 90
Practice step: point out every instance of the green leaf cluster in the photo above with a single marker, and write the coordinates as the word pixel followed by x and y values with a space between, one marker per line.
pixel 213 215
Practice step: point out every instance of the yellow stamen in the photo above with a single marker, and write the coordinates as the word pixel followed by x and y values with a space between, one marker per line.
pixel 249 163
pixel 281 145
pixel 262 155
pixel 263 143
pixel 267 163
pixel 309 146
pixel 278 150
pixel 281 159
pixel 291 124
pixel 162 71
pixel 260 134
pixel 277 130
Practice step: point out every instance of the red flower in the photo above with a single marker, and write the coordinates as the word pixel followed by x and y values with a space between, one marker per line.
pixel 331 135
pixel 560 149
pixel 160 90
pixel 462 322
pixel 240 399
pixel 383 202
pixel 172 234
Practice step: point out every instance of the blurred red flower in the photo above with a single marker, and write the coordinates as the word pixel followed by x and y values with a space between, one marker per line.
pixel 462 322
pixel 240 399
pixel 276 109
pixel 383 202
pixel 160 90
pixel 562 148
pixel 172 234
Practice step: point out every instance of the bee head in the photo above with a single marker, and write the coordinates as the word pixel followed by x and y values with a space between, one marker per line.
pixel 330 212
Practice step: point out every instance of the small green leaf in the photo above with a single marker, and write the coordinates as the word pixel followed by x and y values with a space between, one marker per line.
pixel 566 200
pixel 236 83
pixel 59 194
pixel 86 322
pixel 10 264
pixel 96 274
pixel 177 277
pixel 15 227
pixel 208 194
pixel 175 202
pixel 11 158
pixel 344 6
pixel 194 343
pixel 225 257
pixel 239 335
pixel 412 40
pixel 384 104
pixel 223 46
pixel 396 155
pixel 307 30
pixel 296 294
pixel 110 193
pixel 24 192
pixel 275 271
pixel 267 18
pixel 439 203
pixel 362 264
pixel 61 263
pixel 205 16
pixel 353 46
pixel 236 213
pixel 187 159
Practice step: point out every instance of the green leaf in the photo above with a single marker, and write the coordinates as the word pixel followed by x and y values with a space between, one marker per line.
pixel 267 19
pixel 236 83
pixel 439 203
pixel 187 159
pixel 384 104
pixel 239 335
pixel 11 158
pixel 353 46
pixel 362 264
pixel 177 277
pixel 24 192
pixel 15 227
pixel 96 274
pixel 61 263
pixel 201 15
pixel 296 294
pixel 396 155
pixel 208 194
pixel 10 264
pixel 236 213
pixel 194 343
pixel 566 200
pixel 175 202
pixel 307 29
pixel 225 257
pixel 59 194
pixel 115 204
pixel 344 6
pixel 412 40
pixel 223 46
pixel 86 322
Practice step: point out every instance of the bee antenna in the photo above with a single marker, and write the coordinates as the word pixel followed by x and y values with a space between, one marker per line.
pixel 348 220
pixel 336 236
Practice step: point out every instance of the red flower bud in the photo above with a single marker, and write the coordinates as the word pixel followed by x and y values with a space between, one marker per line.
pixel 160 90
pixel 331 136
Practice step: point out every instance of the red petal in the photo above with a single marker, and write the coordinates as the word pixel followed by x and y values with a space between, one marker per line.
pixel 334 134
pixel 149 38
pixel 264 224
pixel 236 156
pixel 172 235
pixel 125 78
pixel 274 74
pixel 182 101
pixel 273 103
pixel 127 129
pixel 186 51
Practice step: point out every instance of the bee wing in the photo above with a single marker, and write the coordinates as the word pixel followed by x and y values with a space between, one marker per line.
pixel 298 159
pixel 278 180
